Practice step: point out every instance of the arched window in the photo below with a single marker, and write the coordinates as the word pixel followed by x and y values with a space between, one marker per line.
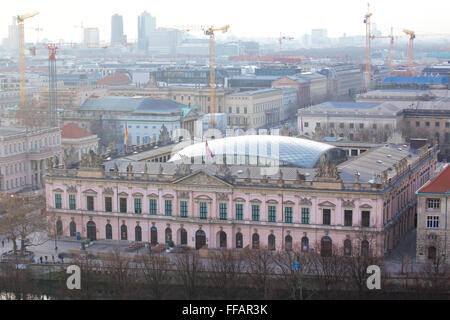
pixel 154 236
pixel 123 232
pixel 138 234
pixel 200 239
pixel 222 239
pixel 305 244
pixel 59 228
pixel 288 242
pixel 239 240
pixel 168 235
pixel 255 241
pixel 326 248
pixel 73 229
pixel 108 232
pixel 271 242
pixel 364 248
pixel 91 231
pixel 432 253
pixel 347 247
pixel 183 237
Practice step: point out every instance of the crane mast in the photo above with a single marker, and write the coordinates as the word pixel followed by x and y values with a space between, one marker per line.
pixel 368 49
pixel 22 64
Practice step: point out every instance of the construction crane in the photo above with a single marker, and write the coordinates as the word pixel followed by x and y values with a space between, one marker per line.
pixel 412 36
pixel 52 83
pixel 22 65
pixel 281 39
pixel 209 31
pixel 391 55
pixel 368 48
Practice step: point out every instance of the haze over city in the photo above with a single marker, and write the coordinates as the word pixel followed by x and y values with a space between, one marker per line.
pixel 248 18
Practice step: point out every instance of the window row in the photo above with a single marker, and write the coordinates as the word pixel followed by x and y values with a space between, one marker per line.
pixel 288 214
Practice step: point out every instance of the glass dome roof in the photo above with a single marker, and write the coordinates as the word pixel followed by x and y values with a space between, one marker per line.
pixel 263 150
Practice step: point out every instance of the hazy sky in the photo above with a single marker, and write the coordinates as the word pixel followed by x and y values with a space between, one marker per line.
pixel 247 18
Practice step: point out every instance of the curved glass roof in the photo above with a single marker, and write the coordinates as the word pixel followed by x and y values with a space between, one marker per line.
pixel 263 150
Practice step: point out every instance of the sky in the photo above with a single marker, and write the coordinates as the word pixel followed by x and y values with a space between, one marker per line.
pixel 247 18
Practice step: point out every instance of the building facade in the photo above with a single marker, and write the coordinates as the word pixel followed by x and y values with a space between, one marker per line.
pixel 76 142
pixel 433 235
pixel 24 156
pixel 221 206
pixel 255 109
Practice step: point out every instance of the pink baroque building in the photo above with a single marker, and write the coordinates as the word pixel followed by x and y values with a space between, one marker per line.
pixel 365 203
pixel 24 154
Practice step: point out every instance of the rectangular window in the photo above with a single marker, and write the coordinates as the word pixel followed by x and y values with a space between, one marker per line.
pixel 58 201
pixel 437 124
pixel 272 214
pixel 90 203
pixel 152 206
pixel 348 218
pixel 108 204
pixel 327 216
pixel 123 205
pixel 417 124
pixel 203 210
pixel 433 203
pixel 72 202
pixel 168 207
pixel 137 205
pixel 288 214
pixel 306 124
pixel 305 215
pixel 352 125
pixel 223 211
pixel 239 211
pixel 183 209
pixel 433 222
pixel 361 125
pixel 255 212
pixel 427 124
pixel 365 219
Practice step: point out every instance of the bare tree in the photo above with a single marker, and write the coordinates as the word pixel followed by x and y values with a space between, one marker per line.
pixel 260 268
pixel 156 273
pixel 22 220
pixel 189 267
pixel 225 270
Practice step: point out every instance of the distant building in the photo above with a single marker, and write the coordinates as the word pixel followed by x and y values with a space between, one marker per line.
pixel 91 37
pixel 165 41
pixel 319 37
pixel 255 109
pixel 360 121
pixel 146 25
pixel 144 117
pixel 433 218
pixel 24 156
pixel 76 141
pixel 117 36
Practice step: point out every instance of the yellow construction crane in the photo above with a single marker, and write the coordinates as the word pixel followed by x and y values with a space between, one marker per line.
pixel 208 31
pixel 368 49
pixel 280 40
pixel 412 36
pixel 22 65
pixel 391 55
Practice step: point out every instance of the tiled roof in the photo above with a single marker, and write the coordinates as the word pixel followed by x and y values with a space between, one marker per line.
pixel 73 131
pixel 440 184
pixel 115 79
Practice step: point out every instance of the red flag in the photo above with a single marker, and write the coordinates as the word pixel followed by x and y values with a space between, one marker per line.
pixel 208 151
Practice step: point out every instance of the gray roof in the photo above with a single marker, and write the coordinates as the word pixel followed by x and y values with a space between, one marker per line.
pixel 133 104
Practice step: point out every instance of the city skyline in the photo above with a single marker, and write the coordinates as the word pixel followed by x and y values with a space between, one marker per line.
pixel 337 18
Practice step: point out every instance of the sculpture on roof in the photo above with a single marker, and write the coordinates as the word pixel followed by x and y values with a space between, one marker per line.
pixel 145 168
pixel 129 168
pixel 116 168
pixel 91 160
pixel 327 170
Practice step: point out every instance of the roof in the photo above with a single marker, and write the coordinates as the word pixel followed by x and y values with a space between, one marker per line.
pixel 263 150
pixel 115 79
pixel 439 184
pixel 73 131
pixel 133 104
pixel 416 80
